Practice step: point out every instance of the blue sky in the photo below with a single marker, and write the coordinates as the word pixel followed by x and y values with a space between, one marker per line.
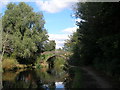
pixel 57 15
pixel 58 21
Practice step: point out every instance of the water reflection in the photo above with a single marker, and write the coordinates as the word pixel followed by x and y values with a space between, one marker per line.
pixel 44 78
pixel 48 79
pixel 59 84
pixel 37 78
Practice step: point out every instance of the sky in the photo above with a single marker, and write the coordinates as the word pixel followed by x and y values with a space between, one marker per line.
pixel 58 15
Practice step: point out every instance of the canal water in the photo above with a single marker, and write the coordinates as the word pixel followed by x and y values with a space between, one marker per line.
pixel 42 79
pixel 53 78
pixel 50 79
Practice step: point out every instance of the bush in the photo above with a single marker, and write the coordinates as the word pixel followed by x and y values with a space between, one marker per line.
pixel 9 63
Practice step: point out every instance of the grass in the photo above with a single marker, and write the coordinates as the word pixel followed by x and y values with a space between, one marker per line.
pixel 9 63
pixel 12 64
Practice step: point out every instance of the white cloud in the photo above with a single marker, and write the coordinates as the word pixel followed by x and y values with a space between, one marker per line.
pixel 60 38
pixel 50 6
pixel 70 30
pixel 54 6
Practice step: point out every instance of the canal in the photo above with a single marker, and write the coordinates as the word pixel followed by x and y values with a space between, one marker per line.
pixel 40 78
pixel 53 78
pixel 44 78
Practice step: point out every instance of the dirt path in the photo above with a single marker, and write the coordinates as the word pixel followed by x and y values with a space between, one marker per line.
pixel 91 79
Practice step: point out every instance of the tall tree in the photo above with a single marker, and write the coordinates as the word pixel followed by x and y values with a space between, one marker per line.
pixel 99 36
pixel 72 45
pixel 1 53
pixel 26 31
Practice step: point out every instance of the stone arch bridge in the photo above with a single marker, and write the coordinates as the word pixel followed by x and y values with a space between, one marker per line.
pixel 49 54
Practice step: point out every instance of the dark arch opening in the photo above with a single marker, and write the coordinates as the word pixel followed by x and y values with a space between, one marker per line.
pixel 51 59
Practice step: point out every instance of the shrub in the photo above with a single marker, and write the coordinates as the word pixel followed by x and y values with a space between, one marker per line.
pixel 9 63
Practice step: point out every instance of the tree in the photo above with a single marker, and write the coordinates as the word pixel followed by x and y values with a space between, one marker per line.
pixel 1 53
pixel 99 35
pixel 50 45
pixel 0 40
pixel 26 31
pixel 72 45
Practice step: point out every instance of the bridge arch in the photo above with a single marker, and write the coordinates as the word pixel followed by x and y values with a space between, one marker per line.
pixel 50 60
pixel 55 56
pixel 48 55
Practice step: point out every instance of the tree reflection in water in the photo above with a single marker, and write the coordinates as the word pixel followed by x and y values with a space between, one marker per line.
pixel 51 78
pixel 34 79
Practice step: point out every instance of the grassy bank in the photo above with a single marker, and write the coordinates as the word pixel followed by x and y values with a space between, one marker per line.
pixel 12 64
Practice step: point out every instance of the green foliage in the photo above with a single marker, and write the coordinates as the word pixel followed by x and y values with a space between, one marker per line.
pixel 72 45
pixel 44 56
pixel 26 32
pixel 38 65
pixel 50 45
pixel 77 80
pixel 59 63
pixel 0 33
pixel 98 37
pixel 41 61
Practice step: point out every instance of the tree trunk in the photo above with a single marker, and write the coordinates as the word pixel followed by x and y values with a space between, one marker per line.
pixel 1 54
